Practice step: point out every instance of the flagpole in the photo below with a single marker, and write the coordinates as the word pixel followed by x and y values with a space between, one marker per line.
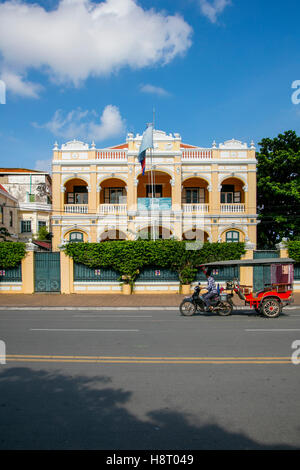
pixel 153 174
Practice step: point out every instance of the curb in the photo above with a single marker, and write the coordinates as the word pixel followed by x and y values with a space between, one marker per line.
pixel 113 308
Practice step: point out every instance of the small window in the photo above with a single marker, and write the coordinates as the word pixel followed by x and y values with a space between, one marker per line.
pixel 26 226
pixel 41 223
pixel 76 237
pixel 30 197
pixel 232 237
pixel 195 195
pixel 157 189
pixel 114 196
pixel 237 197
pixel 11 218
pixel 1 215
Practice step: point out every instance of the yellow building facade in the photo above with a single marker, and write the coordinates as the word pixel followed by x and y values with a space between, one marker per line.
pixel 186 193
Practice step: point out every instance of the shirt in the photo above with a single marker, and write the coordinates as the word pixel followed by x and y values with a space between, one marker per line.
pixel 211 285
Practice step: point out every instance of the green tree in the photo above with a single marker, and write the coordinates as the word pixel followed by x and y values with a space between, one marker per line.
pixel 4 234
pixel 278 189
pixel 42 234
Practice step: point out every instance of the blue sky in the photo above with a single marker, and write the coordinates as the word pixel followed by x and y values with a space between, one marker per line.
pixel 213 70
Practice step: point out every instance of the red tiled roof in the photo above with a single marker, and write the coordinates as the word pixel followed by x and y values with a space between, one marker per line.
pixel 18 170
pixel 45 245
pixel 3 189
pixel 121 146
pixel 187 146
pixel 8 194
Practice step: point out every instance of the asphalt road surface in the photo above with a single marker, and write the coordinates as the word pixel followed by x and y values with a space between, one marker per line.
pixel 149 379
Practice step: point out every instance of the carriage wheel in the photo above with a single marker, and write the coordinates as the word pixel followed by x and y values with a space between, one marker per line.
pixel 271 308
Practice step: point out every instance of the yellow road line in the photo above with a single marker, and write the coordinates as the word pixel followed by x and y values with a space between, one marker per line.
pixel 147 360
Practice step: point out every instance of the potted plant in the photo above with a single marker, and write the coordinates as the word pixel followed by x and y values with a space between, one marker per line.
pixel 128 282
pixel 126 285
pixel 186 276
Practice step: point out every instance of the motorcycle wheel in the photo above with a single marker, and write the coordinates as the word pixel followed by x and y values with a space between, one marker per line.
pixel 187 308
pixel 225 309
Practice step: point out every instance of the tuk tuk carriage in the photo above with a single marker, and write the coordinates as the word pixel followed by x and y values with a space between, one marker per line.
pixel 273 297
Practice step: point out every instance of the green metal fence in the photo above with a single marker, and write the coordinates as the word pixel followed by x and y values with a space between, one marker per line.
pixel 47 272
pixel 83 273
pixel 157 275
pixel 223 273
pixel 259 254
pixel 297 272
pixel 11 274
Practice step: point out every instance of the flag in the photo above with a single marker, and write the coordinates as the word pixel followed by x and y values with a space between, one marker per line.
pixel 147 143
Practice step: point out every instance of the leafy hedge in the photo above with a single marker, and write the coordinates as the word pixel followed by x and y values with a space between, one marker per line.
pixel 129 257
pixel 11 253
pixel 294 250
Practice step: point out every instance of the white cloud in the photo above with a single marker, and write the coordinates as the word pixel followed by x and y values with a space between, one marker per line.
pixel 86 125
pixel 82 38
pixel 43 165
pixel 212 8
pixel 15 82
pixel 155 90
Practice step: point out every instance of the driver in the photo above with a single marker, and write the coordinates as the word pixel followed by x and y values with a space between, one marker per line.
pixel 211 290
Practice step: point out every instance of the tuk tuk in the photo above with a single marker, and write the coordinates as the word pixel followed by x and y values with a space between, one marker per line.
pixel 273 297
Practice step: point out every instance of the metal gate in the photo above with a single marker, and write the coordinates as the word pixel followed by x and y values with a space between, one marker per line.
pixel 262 274
pixel 47 272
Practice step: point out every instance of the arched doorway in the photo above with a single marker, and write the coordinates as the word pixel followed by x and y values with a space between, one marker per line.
pixel 76 196
pixel 154 191
pixel 154 233
pixel 195 235
pixel 112 235
pixel 113 196
pixel 232 195
pixel 195 195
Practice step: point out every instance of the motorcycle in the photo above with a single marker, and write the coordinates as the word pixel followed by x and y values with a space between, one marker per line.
pixel 220 303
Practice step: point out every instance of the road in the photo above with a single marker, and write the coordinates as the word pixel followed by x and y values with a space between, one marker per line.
pixel 148 379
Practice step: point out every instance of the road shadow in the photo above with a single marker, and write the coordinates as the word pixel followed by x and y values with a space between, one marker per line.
pixel 235 313
pixel 49 410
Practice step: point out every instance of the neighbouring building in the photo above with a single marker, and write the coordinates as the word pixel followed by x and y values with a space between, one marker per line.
pixel 33 191
pixel 8 215
pixel 187 192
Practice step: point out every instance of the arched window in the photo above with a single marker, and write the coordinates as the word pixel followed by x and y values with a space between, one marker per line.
pixel 76 237
pixel 232 237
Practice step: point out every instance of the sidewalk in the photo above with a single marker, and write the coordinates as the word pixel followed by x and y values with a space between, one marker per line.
pixel 102 300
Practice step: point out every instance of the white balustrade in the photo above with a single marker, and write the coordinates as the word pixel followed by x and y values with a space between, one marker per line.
pixel 113 209
pixel 196 154
pixel 111 155
pixel 76 208
pixel 195 208
pixel 232 208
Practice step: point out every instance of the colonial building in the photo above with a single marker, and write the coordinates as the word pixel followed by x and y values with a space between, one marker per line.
pixel 32 190
pixel 8 216
pixel 187 192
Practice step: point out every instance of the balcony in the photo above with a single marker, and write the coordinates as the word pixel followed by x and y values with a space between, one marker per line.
pixel 76 208
pixel 232 208
pixel 113 209
pixel 195 208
